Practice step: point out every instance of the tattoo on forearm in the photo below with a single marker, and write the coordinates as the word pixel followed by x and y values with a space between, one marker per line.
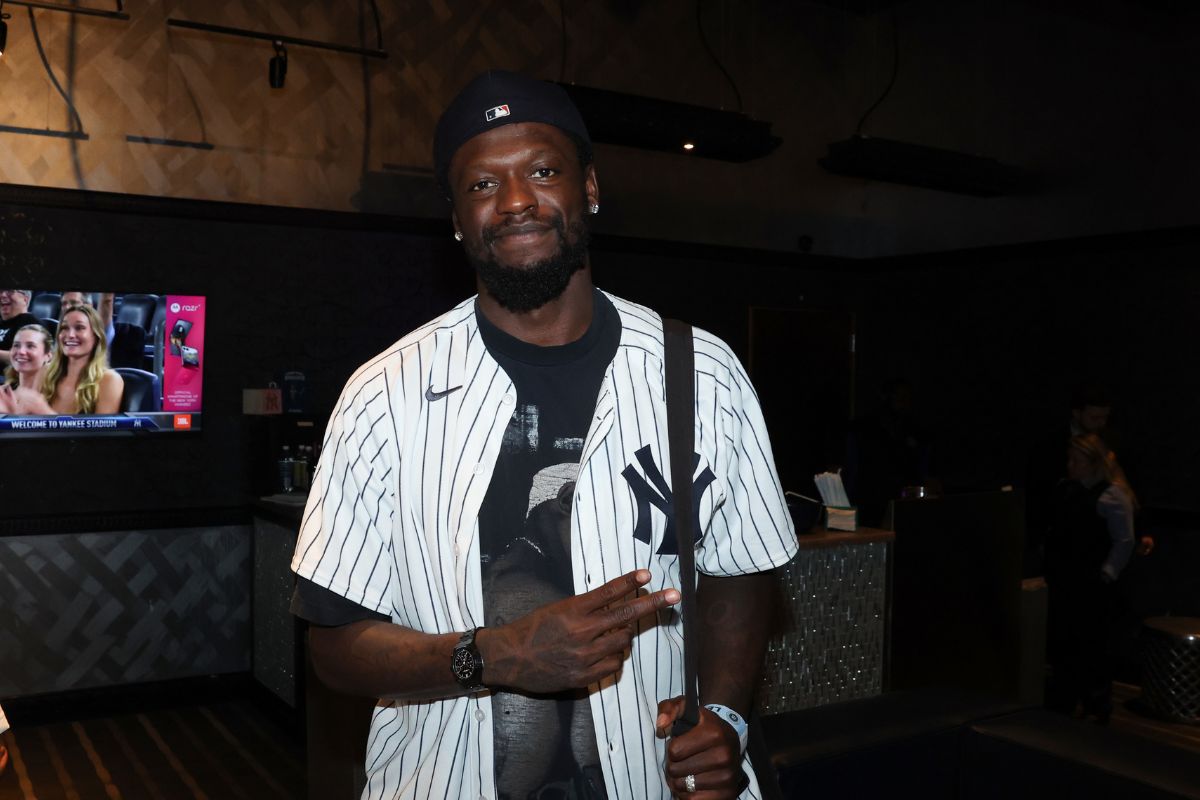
pixel 719 613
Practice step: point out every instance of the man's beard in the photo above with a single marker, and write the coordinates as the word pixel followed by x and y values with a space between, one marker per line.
pixel 525 288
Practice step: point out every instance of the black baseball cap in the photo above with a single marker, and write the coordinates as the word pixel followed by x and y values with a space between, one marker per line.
pixel 495 98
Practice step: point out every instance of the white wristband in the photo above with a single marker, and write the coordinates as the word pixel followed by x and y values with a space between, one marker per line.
pixel 736 720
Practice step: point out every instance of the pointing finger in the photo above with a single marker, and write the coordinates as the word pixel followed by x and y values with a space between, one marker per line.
pixel 628 612
pixel 615 589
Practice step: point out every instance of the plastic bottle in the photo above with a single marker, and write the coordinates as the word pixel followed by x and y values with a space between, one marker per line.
pixel 300 470
pixel 287 466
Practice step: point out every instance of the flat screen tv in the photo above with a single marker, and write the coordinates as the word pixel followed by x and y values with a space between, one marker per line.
pixel 155 342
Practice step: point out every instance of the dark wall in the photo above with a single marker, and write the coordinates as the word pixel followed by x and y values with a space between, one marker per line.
pixel 992 341
pixel 285 291
pixel 293 290
pixel 993 344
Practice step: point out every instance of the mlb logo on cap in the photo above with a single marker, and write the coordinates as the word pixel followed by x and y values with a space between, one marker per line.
pixel 496 113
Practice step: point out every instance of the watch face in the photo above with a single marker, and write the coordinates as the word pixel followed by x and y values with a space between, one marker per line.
pixel 463 664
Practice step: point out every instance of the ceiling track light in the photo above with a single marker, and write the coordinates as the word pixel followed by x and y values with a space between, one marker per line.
pixel 86 12
pixel 278 39
pixel 277 67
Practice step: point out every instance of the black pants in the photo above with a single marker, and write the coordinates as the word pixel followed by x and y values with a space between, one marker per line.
pixel 1080 621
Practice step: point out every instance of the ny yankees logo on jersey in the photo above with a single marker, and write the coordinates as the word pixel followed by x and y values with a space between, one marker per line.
pixel 663 499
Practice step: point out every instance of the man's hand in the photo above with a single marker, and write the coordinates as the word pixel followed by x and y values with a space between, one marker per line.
pixel 710 752
pixel 572 643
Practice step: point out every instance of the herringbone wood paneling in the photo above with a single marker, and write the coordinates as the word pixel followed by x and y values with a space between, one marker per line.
pixel 339 118
pixel 98 609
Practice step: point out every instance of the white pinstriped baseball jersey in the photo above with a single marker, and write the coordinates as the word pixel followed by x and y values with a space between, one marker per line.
pixel 392 524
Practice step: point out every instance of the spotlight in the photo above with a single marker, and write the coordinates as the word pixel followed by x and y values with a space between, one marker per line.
pixel 3 28
pixel 277 69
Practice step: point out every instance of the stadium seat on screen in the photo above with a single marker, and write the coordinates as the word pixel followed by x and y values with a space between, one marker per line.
pixel 153 347
pixel 142 392
pixel 50 324
pixel 128 346
pixel 160 314
pixel 138 309
pixel 45 304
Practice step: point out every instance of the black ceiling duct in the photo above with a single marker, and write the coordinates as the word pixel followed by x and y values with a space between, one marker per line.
pixel 918 165
pixel 649 124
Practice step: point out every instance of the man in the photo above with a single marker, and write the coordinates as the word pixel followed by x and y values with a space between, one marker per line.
pixel 14 315
pixel 1091 407
pixel 486 545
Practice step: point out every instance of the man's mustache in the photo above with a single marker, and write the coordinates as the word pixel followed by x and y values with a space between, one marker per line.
pixel 492 233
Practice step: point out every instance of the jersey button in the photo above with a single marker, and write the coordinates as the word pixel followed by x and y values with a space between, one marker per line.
pixel 508 400
pixel 479 715
pixel 477 469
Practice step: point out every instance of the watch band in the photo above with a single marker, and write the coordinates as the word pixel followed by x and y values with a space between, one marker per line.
pixel 466 662
pixel 735 720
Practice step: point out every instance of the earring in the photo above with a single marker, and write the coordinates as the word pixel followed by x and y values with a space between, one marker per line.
pixel 594 208
pixel 458 237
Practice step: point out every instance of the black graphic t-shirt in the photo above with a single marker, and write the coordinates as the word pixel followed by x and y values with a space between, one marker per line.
pixel 545 745
pixel 10 326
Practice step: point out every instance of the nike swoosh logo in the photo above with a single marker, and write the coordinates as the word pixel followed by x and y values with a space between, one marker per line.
pixel 430 394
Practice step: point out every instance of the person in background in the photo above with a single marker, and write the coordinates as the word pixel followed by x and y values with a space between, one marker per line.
pixel 31 351
pixel 1087 546
pixel 1090 412
pixel 1091 409
pixel 126 341
pixel 104 308
pixel 14 315
pixel 78 380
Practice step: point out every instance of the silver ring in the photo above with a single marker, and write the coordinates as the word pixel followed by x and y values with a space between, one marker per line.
pixel 689 783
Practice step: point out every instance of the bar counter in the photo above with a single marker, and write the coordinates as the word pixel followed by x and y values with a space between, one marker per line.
pixel 830 643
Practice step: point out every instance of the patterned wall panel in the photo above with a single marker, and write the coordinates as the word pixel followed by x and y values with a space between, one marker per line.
pixel 275 642
pixel 100 609
pixel 832 646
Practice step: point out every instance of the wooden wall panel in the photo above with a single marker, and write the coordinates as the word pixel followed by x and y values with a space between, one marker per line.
pixel 299 146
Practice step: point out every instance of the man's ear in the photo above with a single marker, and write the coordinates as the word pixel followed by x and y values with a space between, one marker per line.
pixel 591 187
pixel 454 220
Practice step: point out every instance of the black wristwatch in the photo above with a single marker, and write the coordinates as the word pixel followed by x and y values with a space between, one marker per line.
pixel 466 663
